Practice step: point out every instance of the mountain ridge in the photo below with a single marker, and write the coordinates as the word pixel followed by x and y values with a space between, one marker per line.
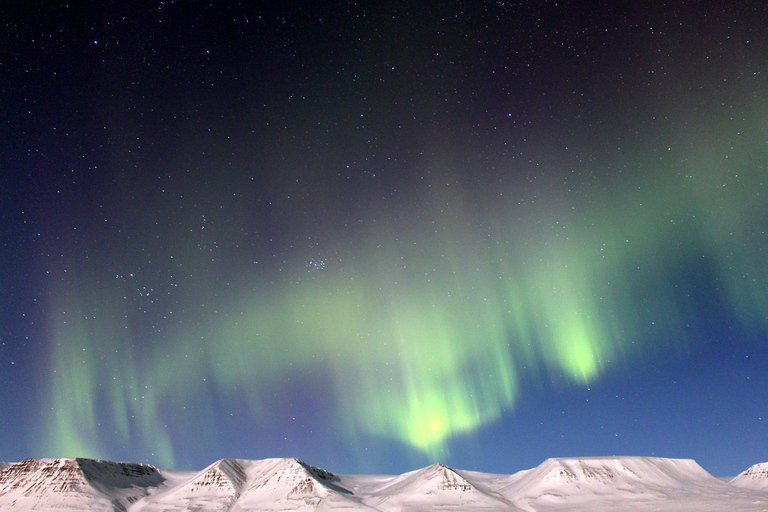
pixel 238 485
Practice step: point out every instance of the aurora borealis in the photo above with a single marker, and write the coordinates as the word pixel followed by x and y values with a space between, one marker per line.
pixel 380 235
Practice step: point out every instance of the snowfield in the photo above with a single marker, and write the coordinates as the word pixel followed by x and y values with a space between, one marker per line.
pixel 596 484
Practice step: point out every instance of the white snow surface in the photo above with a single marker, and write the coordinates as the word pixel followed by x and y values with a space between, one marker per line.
pixel 75 484
pixel 597 484
pixel 755 477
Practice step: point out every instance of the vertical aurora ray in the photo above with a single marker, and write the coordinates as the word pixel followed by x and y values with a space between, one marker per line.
pixel 99 394
pixel 72 409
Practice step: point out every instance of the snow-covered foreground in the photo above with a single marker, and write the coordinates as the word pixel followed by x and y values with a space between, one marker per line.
pixel 576 484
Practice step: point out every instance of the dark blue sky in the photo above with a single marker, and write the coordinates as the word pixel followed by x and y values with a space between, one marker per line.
pixel 380 235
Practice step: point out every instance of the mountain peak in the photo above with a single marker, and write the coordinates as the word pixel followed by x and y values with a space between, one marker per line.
pixel 295 476
pixel 76 482
pixel 431 480
pixel 446 478
pixel 755 477
pixel 223 477
pixel 561 480
pixel 43 477
pixel 436 487
pixel 614 470
pixel 315 472
pixel 758 471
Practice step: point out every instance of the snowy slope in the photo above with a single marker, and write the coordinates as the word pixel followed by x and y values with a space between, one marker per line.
pixel 437 487
pixel 74 484
pixel 241 485
pixel 606 484
pixel 626 483
pixel 755 477
pixel 290 484
pixel 216 488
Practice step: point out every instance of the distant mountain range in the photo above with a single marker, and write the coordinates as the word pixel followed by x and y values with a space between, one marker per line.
pixel 603 484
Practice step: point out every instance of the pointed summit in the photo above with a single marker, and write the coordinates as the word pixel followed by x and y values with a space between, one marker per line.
pixel 434 479
pixel 217 487
pixel 435 486
pixel 225 474
pixel 296 485
pixel 444 478
pixel 756 477
pixel 294 476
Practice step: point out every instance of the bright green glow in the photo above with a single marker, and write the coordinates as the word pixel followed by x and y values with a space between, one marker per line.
pixel 426 325
pixel 441 376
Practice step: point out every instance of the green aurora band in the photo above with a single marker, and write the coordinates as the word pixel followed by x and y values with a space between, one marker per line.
pixel 429 324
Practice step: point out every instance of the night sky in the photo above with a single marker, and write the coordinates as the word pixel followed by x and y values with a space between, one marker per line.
pixel 377 235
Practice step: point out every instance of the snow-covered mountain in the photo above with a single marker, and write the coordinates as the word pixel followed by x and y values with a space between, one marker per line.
pixel 604 484
pixel 623 483
pixel 217 487
pixel 290 484
pixel 755 477
pixel 436 487
pixel 75 484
